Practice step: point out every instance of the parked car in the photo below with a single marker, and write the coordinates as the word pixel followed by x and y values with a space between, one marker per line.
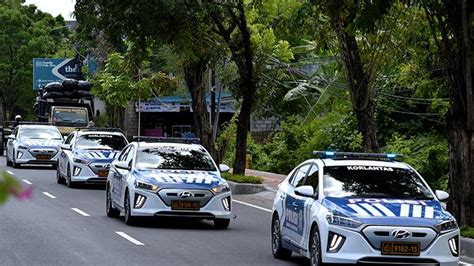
pixel 357 208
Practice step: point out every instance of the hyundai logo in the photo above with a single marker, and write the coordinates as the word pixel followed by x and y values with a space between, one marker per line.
pixel 400 234
pixel 185 194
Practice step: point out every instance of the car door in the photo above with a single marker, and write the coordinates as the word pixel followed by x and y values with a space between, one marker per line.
pixel 123 180
pixel 65 155
pixel 294 211
pixel 117 175
pixel 312 179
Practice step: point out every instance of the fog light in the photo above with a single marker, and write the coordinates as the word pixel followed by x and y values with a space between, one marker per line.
pixel 77 170
pixel 335 242
pixel 453 246
pixel 226 203
pixel 19 155
pixel 139 201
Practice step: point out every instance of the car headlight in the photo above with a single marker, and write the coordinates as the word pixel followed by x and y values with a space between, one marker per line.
pixel 81 161
pixel 23 147
pixel 220 188
pixel 447 226
pixel 145 186
pixel 342 221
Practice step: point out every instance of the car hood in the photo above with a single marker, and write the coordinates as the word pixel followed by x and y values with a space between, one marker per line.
pixel 179 178
pixel 40 143
pixel 97 155
pixel 388 211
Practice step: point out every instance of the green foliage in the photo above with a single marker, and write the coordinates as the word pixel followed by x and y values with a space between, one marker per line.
pixel 427 153
pixel 467 231
pixel 242 178
pixel 8 186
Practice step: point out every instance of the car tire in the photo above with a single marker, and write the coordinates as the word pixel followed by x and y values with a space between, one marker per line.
pixel 7 159
pixel 69 182
pixel 129 219
pixel 221 223
pixel 315 247
pixel 54 166
pixel 14 164
pixel 109 207
pixel 278 250
pixel 59 178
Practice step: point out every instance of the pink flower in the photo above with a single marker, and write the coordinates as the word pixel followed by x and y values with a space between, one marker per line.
pixel 23 194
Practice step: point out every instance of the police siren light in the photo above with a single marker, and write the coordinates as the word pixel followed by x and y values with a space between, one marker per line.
pixel 357 155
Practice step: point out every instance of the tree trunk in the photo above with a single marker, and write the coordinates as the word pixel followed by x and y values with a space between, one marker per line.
pixel 193 74
pixel 358 79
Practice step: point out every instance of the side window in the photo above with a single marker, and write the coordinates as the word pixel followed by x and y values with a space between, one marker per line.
pixel 69 138
pixel 130 155
pixel 299 176
pixel 313 178
pixel 124 154
pixel 15 132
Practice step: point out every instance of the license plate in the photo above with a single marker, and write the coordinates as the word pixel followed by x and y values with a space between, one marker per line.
pixel 103 173
pixel 400 248
pixel 43 156
pixel 184 205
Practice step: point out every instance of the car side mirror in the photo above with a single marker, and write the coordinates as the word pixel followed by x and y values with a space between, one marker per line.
pixel 122 165
pixel 441 195
pixel 305 191
pixel 66 147
pixel 224 168
pixel 11 137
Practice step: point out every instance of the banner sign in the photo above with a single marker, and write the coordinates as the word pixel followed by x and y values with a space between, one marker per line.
pixel 46 70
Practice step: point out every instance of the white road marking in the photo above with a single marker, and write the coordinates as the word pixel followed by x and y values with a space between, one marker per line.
pixel 80 212
pixel 251 205
pixel 10 172
pixel 465 263
pixel 129 238
pixel 359 210
pixel 26 181
pixel 49 195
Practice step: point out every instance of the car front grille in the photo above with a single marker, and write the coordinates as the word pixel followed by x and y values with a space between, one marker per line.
pixel 202 196
pixel 378 234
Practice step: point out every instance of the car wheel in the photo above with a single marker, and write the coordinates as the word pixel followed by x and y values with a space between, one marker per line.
pixel 315 247
pixel 59 178
pixel 278 250
pixel 109 208
pixel 7 159
pixel 54 166
pixel 221 223
pixel 69 182
pixel 129 219
pixel 14 164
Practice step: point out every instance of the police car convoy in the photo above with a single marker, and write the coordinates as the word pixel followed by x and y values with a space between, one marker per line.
pixel 362 208
pixel 337 208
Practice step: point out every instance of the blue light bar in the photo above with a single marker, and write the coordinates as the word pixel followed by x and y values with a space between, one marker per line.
pixel 330 153
pixel 357 155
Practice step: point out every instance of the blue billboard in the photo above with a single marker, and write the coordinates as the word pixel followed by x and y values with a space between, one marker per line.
pixel 46 70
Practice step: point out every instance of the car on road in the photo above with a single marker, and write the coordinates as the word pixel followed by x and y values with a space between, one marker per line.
pixel 359 208
pixel 33 144
pixel 87 154
pixel 168 177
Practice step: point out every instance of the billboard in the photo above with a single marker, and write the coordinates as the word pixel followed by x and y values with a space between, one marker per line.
pixel 46 70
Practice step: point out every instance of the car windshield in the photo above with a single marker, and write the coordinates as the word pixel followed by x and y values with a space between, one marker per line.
pixel 40 133
pixel 101 142
pixel 70 116
pixel 170 157
pixel 373 182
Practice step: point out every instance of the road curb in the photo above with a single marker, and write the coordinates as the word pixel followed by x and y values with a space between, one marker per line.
pixel 245 188
pixel 467 249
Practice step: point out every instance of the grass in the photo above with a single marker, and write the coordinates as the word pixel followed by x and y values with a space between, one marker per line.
pixel 242 178
pixel 467 231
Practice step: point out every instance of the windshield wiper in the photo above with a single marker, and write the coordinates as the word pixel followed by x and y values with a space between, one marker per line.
pixel 422 198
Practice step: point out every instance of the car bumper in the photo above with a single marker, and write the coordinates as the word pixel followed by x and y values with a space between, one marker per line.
pixel 357 250
pixel 25 157
pixel 86 175
pixel 154 206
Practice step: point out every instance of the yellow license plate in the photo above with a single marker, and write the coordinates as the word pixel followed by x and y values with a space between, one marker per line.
pixel 43 157
pixel 103 173
pixel 184 205
pixel 400 248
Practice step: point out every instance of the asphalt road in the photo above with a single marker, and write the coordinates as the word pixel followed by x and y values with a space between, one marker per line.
pixel 62 226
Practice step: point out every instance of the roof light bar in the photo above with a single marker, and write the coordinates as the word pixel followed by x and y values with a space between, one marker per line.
pixel 170 140
pixel 357 155
pixel 108 129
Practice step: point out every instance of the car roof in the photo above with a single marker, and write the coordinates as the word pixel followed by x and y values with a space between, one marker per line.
pixel 98 132
pixel 343 162
pixel 37 126
pixel 144 144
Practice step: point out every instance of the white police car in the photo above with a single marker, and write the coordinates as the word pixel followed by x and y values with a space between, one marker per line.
pixel 165 177
pixel 87 154
pixel 358 208
pixel 33 144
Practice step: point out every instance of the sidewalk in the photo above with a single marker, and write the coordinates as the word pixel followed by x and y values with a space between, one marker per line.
pixel 270 180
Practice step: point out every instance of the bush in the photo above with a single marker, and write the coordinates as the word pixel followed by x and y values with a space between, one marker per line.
pixel 467 231
pixel 242 178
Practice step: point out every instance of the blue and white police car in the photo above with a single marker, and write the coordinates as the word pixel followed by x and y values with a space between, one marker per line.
pixel 33 144
pixel 356 208
pixel 87 154
pixel 166 177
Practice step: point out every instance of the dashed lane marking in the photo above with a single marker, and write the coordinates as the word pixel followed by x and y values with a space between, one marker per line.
pixel 26 181
pixel 49 195
pixel 251 205
pixel 10 172
pixel 83 213
pixel 129 238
